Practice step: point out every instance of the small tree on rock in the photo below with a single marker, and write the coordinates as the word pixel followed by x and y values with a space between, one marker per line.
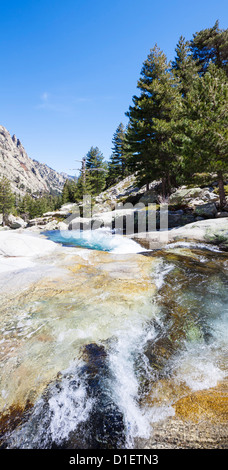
pixel 7 198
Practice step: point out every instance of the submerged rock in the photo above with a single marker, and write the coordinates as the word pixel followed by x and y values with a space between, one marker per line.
pixel 73 319
pixel 75 411
pixel 199 420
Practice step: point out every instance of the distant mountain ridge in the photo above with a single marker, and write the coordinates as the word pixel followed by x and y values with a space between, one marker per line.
pixel 25 174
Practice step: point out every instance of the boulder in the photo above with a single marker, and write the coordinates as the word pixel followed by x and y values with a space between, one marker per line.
pixel 39 221
pixel 192 196
pixel 110 219
pixel 176 219
pixel 80 223
pixel 62 226
pixel 23 245
pixel 208 211
pixel 60 213
pixel 213 231
pixel 221 214
pixel 14 222
pixel 52 225
pixel 68 208
pixel 149 197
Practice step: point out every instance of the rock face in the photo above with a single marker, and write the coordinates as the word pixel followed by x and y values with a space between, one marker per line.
pixel 211 231
pixel 26 175
pixel 193 197
pixel 24 245
pixel 127 191
pixel 207 211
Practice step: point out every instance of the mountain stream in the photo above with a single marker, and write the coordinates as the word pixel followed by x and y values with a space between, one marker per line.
pixel 99 343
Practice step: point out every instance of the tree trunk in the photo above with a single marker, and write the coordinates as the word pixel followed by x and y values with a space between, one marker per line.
pixel 163 187
pixel 168 185
pixel 3 218
pixel 147 186
pixel 222 196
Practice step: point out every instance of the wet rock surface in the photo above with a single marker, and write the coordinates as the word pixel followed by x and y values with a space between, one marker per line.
pixel 101 427
pixel 200 422
pixel 104 303
pixel 211 231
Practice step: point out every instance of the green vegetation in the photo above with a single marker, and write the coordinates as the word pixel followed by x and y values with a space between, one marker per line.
pixel 7 199
pixel 178 123
pixel 184 67
pixel 95 171
pixel 117 167
pixel 205 130
pixel 152 122
pixel 177 129
pixel 30 207
pixel 92 179
pixel 210 46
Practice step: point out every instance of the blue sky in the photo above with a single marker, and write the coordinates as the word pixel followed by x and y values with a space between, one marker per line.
pixel 69 68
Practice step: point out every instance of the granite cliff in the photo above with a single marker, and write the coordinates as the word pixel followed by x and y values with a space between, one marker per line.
pixel 26 175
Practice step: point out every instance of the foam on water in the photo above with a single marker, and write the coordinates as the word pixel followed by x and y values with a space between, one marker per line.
pixel 69 407
pixel 160 272
pixel 124 335
pixel 202 363
pixel 64 406
pixel 198 367
pixel 192 245
pixel 127 349
pixel 99 239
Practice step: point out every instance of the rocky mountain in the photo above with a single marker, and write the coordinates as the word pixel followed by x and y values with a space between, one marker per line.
pixel 26 175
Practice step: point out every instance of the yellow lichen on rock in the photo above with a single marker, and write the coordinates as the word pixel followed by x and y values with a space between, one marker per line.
pixel 211 404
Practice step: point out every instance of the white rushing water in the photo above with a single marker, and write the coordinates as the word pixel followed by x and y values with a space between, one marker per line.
pixel 96 343
pixel 99 239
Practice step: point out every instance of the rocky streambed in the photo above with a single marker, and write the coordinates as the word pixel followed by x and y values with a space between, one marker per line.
pixel 120 347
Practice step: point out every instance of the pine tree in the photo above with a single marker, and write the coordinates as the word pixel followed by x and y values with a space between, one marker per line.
pixel 23 207
pixel 70 190
pixel 205 140
pixel 113 171
pixel 95 174
pixel 211 45
pixel 7 199
pixel 118 164
pixel 184 66
pixel 152 122
pixel 65 193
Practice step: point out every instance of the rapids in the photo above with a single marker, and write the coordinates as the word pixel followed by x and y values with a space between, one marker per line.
pixel 103 337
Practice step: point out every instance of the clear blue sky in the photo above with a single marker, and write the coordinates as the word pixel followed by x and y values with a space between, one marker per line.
pixel 69 68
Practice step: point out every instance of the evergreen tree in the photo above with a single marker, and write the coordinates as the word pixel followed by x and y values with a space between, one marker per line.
pixel 70 190
pixel 211 45
pixel 205 140
pixel 113 171
pixel 95 173
pixel 23 207
pixel 117 165
pixel 184 66
pixel 35 206
pixel 65 194
pixel 7 199
pixel 152 122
